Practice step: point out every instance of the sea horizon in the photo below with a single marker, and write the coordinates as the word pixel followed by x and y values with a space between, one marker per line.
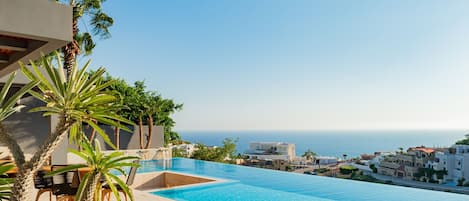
pixel 333 142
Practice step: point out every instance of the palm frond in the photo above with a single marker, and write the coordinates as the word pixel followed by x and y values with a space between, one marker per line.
pixel 101 22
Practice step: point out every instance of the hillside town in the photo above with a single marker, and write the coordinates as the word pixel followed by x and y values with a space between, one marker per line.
pixel 437 168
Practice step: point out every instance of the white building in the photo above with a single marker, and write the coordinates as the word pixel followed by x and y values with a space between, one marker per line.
pixel 271 151
pixel 379 157
pixel 326 160
pixel 455 160
pixel 187 148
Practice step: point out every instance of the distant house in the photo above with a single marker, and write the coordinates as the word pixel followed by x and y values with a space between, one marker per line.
pixel 455 161
pixel 326 160
pixel 406 164
pixel 271 151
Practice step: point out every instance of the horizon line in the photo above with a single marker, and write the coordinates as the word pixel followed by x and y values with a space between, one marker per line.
pixel 306 130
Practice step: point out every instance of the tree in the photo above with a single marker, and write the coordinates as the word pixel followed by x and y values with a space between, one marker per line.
pixel 463 141
pixel 229 148
pixel 76 101
pixel 101 166
pixel 401 150
pixel 179 152
pixel 145 107
pixel 373 168
pixel 83 42
pixel 218 154
pixel 309 155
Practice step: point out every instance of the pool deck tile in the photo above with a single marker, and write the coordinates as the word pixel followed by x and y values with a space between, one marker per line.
pixel 139 196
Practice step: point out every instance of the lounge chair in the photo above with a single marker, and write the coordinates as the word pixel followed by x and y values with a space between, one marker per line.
pixel 130 180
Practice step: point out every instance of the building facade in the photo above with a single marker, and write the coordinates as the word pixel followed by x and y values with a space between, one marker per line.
pixel 271 151
pixel 407 164
pixel 455 161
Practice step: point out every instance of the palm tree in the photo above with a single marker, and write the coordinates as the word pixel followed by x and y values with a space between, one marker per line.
pixel 309 155
pixel 101 166
pixel 99 22
pixel 401 150
pixel 5 182
pixel 76 101
pixel 8 107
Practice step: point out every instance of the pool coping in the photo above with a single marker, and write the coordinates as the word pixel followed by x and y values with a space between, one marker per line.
pixel 214 182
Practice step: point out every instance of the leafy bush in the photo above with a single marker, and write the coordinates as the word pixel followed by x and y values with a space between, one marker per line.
pixel 464 141
pixel 373 167
pixel 461 181
pixel 217 154
pixel 321 170
pixel 179 152
pixel 347 169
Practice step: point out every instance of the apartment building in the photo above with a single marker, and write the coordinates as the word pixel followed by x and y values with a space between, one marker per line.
pixel 455 161
pixel 271 151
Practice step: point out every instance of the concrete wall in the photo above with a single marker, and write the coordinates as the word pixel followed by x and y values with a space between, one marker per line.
pixel 43 19
pixel 47 24
pixel 131 140
pixel 30 129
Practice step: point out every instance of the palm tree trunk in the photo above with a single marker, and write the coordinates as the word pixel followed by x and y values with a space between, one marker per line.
pixel 23 184
pixel 13 146
pixel 71 50
pixel 90 187
pixel 150 130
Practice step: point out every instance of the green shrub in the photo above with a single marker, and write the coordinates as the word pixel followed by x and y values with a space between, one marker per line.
pixel 373 167
pixel 321 170
pixel 461 181
pixel 347 169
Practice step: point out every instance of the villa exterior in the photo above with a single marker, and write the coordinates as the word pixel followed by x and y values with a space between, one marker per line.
pixel 29 28
pixel 271 151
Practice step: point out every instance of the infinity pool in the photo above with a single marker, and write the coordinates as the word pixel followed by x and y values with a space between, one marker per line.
pixel 255 184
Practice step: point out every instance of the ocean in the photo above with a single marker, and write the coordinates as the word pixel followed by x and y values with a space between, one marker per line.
pixel 332 143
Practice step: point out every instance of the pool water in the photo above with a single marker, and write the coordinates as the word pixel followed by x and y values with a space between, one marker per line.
pixel 255 184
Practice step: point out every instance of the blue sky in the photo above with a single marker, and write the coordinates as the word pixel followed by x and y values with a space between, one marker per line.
pixel 297 65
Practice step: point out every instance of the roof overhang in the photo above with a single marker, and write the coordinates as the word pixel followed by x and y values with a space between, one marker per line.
pixel 29 28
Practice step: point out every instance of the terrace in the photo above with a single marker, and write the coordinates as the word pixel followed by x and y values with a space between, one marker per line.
pixel 29 28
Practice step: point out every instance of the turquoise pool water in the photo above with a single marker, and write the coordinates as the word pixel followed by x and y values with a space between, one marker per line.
pixel 254 184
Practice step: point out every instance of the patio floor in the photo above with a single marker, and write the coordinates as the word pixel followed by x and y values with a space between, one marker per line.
pixel 139 196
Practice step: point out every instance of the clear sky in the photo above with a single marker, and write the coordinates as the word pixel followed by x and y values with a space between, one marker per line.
pixel 297 65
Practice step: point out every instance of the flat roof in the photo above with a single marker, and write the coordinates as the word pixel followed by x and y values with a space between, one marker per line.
pixel 31 28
